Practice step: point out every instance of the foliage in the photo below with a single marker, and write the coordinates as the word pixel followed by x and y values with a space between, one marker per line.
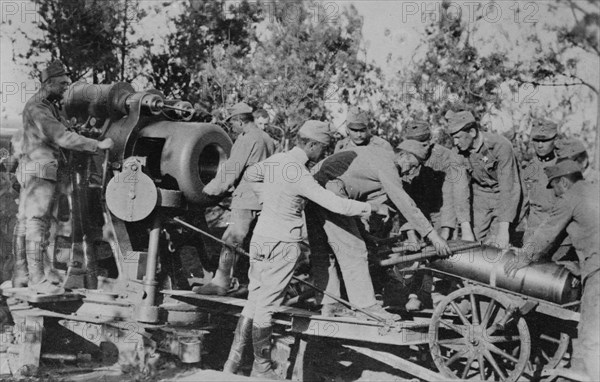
pixel 292 57
pixel 453 75
pixel 458 70
pixel 201 28
pixel 91 37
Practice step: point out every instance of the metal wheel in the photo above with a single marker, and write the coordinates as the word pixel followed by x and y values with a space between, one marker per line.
pixel 551 340
pixel 476 332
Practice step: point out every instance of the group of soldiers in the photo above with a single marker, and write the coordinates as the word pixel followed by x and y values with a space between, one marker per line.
pixel 476 191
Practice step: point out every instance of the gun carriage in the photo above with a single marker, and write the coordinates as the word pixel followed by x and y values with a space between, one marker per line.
pixel 491 327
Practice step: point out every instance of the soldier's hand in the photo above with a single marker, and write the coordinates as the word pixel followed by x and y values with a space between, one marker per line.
pixel 106 144
pixel 445 234
pixel 382 210
pixel 518 262
pixel 572 266
pixel 440 245
pixel 502 239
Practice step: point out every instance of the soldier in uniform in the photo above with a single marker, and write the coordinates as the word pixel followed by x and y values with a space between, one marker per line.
pixel 366 174
pixel 358 133
pixel 495 181
pixel 261 118
pixel 275 246
pixel 539 199
pixel 251 146
pixel 38 148
pixel 577 212
pixel 574 149
pixel 441 190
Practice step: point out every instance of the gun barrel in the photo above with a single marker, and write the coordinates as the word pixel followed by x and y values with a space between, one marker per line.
pixel 546 281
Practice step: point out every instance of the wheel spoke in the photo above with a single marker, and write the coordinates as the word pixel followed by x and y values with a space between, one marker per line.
pixel 501 352
pixel 505 319
pixel 546 337
pixel 452 341
pixel 457 328
pixel 460 313
pixel 481 362
pixel 474 311
pixel 545 356
pixel 502 339
pixel 467 367
pixel 488 313
pixel 455 357
pixel 494 364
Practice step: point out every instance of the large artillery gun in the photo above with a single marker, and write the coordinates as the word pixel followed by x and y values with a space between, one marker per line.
pixel 112 242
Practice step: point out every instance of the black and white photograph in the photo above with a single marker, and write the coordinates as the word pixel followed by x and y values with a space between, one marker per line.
pixel 302 190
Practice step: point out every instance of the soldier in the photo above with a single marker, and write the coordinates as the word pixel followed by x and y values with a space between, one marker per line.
pixel 539 199
pixel 574 149
pixel 366 174
pixel 441 190
pixel 261 118
pixel 38 148
pixel 577 212
pixel 358 133
pixel 495 181
pixel 275 245
pixel 251 146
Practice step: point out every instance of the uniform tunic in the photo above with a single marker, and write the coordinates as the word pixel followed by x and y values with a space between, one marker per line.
pixel 539 199
pixel 441 190
pixel 38 146
pixel 362 173
pixel 578 211
pixel 374 141
pixel 367 174
pixel 496 184
pixel 251 147
pixel 286 186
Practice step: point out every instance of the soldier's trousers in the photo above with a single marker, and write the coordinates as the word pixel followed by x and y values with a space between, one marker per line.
pixel 36 201
pixel 241 222
pixel 329 232
pixel 485 221
pixel 272 266
pixel 586 348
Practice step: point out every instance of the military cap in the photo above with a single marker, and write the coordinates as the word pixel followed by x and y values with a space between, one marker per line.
pixel 317 131
pixel 456 121
pixel 569 147
pixel 544 130
pixel 239 108
pixel 418 131
pixel 355 115
pixel 561 168
pixel 419 149
pixel 54 69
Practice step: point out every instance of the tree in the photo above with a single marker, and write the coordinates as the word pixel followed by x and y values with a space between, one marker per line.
pixel 292 57
pixel 521 71
pixel 92 38
pixel 306 62
pixel 201 30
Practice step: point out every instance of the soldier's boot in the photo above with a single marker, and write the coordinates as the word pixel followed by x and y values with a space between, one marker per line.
pixel 262 367
pixel 241 339
pixel 20 275
pixel 219 285
pixel 38 283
